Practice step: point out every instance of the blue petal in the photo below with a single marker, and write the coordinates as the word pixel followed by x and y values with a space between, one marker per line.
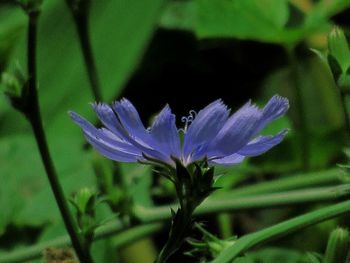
pixel 275 108
pixel 111 152
pixel 105 143
pixel 109 119
pixel 262 144
pixel 165 134
pixel 236 132
pixel 228 160
pixel 204 128
pixel 137 134
pixel 131 121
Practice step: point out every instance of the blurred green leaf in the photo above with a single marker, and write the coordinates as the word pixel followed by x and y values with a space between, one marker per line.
pixel 25 191
pixel 250 19
pixel 139 179
pixel 269 21
pixel 63 86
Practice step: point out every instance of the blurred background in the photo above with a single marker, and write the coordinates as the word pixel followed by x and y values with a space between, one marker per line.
pixel 186 53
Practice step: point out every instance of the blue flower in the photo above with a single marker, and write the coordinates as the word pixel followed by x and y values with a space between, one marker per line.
pixel 212 134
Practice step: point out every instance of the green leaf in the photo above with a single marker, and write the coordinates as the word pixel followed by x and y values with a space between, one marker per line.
pixel 250 19
pixel 139 178
pixel 63 86
pixel 271 21
pixel 26 194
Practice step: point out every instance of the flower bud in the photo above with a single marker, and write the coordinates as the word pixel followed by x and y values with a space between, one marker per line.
pixel 14 86
pixel 338 246
pixel 11 85
pixel 85 203
pixel 339 49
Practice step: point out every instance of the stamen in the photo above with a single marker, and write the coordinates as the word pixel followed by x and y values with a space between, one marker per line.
pixel 188 120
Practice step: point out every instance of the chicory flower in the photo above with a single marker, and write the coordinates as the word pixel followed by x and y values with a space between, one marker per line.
pixel 212 134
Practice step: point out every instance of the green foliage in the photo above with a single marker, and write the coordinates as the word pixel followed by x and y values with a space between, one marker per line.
pixel 267 21
pixel 67 89
pixel 121 32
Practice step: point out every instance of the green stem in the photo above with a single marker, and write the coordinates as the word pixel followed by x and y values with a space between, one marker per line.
pixel 212 205
pixel 34 116
pixel 300 107
pixel 126 237
pixel 330 176
pixel 81 20
pixel 180 228
pixel 345 110
pixel 225 225
pixel 216 204
pixel 282 229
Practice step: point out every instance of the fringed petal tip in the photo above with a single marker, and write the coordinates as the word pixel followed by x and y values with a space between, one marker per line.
pixel 277 106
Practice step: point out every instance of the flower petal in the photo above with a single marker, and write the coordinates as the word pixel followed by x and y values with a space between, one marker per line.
pixel 104 143
pixel 109 151
pixel 165 135
pixel 236 132
pixel 262 144
pixel 109 119
pixel 275 108
pixel 228 160
pixel 204 128
pixel 138 135
pixel 131 121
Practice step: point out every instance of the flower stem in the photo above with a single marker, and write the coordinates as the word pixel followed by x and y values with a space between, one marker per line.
pixel 300 107
pixel 180 229
pixel 290 226
pixel 34 116
pixel 81 20
pixel 224 222
pixel 151 215
pixel 343 96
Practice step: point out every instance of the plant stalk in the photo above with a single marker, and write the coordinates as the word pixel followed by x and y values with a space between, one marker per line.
pixel 345 111
pixel 150 215
pixel 81 20
pixel 162 213
pixel 35 119
pixel 249 241
pixel 300 107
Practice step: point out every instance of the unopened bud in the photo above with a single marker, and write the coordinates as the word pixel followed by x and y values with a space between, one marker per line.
pixel 338 246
